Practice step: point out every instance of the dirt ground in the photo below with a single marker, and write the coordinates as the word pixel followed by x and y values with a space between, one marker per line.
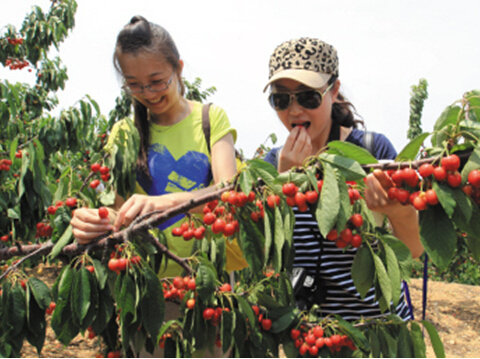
pixel 454 309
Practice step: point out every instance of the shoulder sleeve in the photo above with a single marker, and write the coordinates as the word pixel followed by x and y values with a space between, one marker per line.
pixel 271 157
pixel 383 148
pixel 220 125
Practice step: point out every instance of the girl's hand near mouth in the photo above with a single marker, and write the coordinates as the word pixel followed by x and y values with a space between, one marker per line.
pixel 297 147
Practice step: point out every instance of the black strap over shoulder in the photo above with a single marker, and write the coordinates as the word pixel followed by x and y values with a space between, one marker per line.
pixel 206 124
pixel 368 141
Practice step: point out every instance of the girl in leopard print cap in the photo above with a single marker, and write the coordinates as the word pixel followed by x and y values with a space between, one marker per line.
pixel 305 93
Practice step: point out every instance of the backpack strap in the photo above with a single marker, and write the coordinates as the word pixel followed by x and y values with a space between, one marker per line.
pixel 206 124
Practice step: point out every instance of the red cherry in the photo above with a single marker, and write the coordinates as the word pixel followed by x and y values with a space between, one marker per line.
pixel 431 197
pixel 420 203
pixel 95 167
pixel 226 287
pixel 266 324
pixel 103 212
pixel 289 189
pixel 474 178
pixel 425 170
pixel 95 183
pixel 356 241
pixel 300 200
pixel 332 235
pixel 209 218
pixel 451 163
pixel 454 179
pixel 356 219
pixel 104 170
pixel 273 200
pixel 440 173
pixel 71 202
pixel 346 235
pixel 208 313
pixel 218 226
pixel 311 196
pixel 51 210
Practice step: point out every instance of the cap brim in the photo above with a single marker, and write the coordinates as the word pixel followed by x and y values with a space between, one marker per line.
pixel 311 79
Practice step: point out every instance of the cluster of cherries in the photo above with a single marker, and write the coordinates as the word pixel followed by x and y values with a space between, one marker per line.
pixel 17 64
pixel 51 308
pixel 70 202
pixel 264 322
pixel 178 287
pixel 294 197
pixel 350 235
pixel 104 172
pixel 118 263
pixel 43 230
pixel 15 41
pixel 5 164
pixel 310 341
pixel 407 182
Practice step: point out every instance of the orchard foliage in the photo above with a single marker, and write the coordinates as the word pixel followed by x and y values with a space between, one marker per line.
pixel 50 165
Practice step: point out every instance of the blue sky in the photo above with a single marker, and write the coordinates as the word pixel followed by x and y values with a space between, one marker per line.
pixel 384 48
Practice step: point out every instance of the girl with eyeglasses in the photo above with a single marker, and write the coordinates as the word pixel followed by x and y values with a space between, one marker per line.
pixel 174 163
pixel 305 93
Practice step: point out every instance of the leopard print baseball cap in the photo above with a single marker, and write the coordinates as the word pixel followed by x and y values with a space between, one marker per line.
pixel 309 61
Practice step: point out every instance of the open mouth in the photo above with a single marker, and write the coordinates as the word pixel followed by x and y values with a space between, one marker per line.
pixel 306 125
pixel 157 101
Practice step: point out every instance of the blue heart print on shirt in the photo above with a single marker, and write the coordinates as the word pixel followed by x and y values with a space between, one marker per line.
pixel 190 172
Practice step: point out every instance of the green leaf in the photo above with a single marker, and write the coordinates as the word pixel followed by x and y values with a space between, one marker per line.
pixel 279 240
pixel 283 318
pixel 41 292
pixel 16 310
pixel 65 239
pixel 329 204
pixel 126 297
pixel 434 339
pixel 383 279
pixel 438 236
pixel 206 280
pixel 252 245
pixel 245 180
pixel 403 254
pixel 472 163
pixel 410 151
pixel 267 230
pixel 405 349
pixel 393 273
pixel 363 271
pixel 419 348
pixel 81 296
pixel 152 304
pixel 447 119
pixel 226 330
pixel 350 169
pixel 352 151
pixel 445 197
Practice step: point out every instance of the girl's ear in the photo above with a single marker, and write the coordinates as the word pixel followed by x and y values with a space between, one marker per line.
pixel 180 67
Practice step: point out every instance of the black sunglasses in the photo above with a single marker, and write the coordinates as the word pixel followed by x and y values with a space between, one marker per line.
pixel 309 99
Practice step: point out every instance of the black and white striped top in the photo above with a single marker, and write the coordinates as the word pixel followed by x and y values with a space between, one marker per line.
pixel 341 297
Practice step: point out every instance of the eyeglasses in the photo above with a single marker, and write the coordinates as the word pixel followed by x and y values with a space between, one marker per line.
pixel 155 86
pixel 309 99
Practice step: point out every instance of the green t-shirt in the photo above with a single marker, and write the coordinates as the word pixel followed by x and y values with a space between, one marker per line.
pixel 179 161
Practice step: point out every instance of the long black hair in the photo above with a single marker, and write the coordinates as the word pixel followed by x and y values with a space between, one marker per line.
pixel 343 111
